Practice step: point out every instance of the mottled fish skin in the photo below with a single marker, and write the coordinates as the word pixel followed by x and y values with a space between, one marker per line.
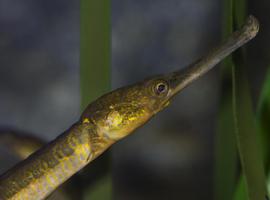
pixel 107 120
pixel 23 144
pixel 40 174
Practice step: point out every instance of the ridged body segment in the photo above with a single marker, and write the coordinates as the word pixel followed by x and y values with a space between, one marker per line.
pixel 45 170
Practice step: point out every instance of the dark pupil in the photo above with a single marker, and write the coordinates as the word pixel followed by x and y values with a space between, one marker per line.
pixel 161 88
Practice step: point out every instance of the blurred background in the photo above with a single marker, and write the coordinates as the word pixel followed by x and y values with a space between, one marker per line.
pixel 172 157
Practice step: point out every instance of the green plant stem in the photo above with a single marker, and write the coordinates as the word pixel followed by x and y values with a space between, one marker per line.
pixel 226 151
pixel 253 180
pixel 95 68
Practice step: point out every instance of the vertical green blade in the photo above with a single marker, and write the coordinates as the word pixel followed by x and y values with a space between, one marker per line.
pixel 263 118
pixel 95 66
pixel 249 147
pixel 95 51
pixel 250 154
pixel 226 151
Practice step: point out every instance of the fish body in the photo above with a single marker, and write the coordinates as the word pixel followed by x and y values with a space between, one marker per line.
pixel 46 169
pixel 110 118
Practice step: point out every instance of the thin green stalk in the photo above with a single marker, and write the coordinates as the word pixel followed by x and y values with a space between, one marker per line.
pixel 262 121
pixel 253 180
pixel 95 62
pixel 226 158
pixel 247 138
pixel 263 118
pixel 226 151
pixel 95 51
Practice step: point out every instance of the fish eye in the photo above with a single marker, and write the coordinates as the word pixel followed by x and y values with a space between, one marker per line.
pixel 161 88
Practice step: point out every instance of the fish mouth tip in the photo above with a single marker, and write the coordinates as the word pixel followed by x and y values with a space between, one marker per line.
pixel 251 26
